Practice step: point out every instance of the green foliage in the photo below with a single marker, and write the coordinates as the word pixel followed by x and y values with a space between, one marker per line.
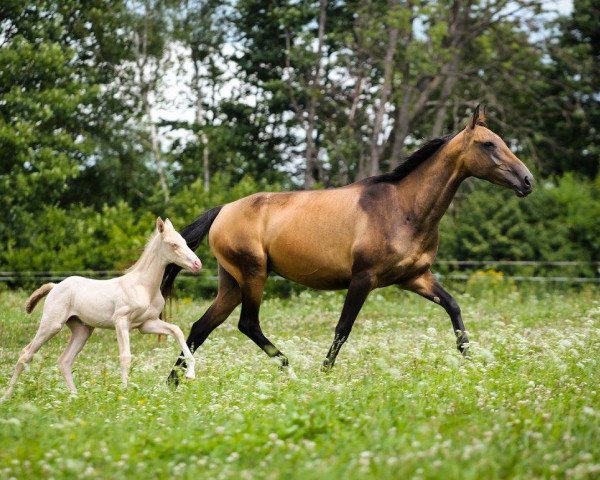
pixel 80 238
pixel 399 403
pixel 75 155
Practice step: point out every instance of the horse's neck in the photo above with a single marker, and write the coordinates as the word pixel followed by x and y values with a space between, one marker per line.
pixel 150 268
pixel 431 187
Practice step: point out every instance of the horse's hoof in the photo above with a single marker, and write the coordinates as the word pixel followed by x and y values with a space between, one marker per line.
pixel 173 379
pixel 327 366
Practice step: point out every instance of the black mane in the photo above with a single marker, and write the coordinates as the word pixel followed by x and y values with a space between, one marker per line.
pixel 412 162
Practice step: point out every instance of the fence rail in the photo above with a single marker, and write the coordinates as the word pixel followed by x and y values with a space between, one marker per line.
pixel 16 276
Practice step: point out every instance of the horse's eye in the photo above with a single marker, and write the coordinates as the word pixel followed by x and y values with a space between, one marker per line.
pixel 489 145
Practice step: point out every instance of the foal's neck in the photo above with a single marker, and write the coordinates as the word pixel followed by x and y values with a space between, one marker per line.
pixel 150 267
pixel 432 186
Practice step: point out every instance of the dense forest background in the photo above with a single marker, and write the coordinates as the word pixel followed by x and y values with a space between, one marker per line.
pixel 113 112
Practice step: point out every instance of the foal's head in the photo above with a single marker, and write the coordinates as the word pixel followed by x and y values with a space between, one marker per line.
pixel 485 155
pixel 173 247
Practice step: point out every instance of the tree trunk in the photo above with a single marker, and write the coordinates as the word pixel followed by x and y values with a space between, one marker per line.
pixel 440 116
pixel 386 88
pixel 199 123
pixel 155 148
pixel 311 157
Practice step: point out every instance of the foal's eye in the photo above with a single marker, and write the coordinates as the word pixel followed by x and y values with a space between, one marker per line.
pixel 489 145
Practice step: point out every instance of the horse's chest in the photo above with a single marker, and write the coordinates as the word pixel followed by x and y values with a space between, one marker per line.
pixel 141 315
pixel 402 265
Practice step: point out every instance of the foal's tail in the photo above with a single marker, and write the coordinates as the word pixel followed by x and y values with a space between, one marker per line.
pixel 36 296
pixel 193 235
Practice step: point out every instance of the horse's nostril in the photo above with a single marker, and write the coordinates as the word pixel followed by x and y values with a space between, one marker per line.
pixel 527 181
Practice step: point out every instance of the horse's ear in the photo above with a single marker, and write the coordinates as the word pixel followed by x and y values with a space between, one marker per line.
pixel 169 224
pixel 160 225
pixel 478 117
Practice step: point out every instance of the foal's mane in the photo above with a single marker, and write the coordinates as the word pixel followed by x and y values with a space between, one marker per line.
pixel 144 251
pixel 414 160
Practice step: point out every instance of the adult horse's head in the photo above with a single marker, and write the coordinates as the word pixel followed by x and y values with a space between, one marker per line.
pixel 174 248
pixel 485 155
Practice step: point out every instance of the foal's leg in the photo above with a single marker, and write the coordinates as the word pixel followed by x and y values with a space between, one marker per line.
pixel 47 329
pixel 79 335
pixel 428 287
pixel 228 297
pixel 360 286
pixel 122 329
pixel 249 325
pixel 163 328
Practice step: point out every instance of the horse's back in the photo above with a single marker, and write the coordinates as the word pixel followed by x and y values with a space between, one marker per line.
pixel 306 236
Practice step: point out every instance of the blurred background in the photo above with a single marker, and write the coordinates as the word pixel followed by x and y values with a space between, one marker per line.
pixel 114 112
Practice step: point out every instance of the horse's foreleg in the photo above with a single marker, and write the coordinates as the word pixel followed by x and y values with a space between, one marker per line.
pixel 428 287
pixel 360 286
pixel 163 328
pixel 249 323
pixel 122 330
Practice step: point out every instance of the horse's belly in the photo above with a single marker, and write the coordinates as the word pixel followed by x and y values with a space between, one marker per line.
pixel 94 302
pixel 322 275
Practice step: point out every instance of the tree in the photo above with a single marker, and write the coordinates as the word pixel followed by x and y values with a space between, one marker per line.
pixel 569 113
pixel 59 64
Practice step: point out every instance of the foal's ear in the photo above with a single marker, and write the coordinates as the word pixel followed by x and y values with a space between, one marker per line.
pixel 478 117
pixel 160 225
pixel 169 224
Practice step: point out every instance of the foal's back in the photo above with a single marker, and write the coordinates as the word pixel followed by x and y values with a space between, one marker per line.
pixel 92 301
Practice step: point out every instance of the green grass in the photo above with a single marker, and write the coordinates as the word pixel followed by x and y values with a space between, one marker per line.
pixel 400 401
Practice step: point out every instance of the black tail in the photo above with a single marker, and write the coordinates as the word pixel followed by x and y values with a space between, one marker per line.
pixel 193 235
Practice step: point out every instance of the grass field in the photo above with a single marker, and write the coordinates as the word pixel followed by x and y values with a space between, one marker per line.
pixel 400 401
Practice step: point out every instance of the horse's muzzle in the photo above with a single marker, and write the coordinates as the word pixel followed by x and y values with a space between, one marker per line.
pixel 525 187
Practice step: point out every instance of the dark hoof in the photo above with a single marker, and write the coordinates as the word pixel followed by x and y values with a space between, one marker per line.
pixel 327 366
pixel 463 348
pixel 283 362
pixel 173 379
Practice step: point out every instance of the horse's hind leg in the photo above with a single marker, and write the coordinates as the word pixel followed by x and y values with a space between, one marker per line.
pixel 47 329
pixel 79 335
pixel 249 325
pixel 228 297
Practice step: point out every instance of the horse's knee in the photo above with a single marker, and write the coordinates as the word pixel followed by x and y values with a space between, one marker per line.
pixel 176 331
pixel 25 357
pixel 453 308
pixel 125 360
pixel 63 365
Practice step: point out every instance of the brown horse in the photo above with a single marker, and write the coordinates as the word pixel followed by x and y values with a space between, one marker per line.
pixel 373 233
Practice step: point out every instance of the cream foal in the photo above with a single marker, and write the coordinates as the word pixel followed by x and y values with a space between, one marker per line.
pixel 124 303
